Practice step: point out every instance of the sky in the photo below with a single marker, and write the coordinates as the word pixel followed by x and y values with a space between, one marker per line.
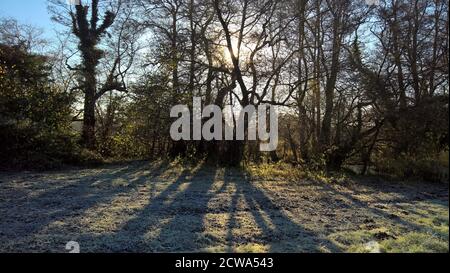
pixel 33 12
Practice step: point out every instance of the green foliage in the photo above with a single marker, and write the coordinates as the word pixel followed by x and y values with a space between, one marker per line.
pixel 433 168
pixel 34 113
pixel 141 128
pixel 87 157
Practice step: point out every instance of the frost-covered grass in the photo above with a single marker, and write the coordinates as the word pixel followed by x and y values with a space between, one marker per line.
pixel 162 207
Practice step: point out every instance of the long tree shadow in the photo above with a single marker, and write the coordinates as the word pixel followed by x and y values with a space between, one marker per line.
pixel 30 215
pixel 175 220
pixel 178 217
pixel 171 222
pixel 278 231
pixel 370 210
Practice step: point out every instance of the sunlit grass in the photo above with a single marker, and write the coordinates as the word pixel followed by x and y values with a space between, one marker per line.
pixel 285 171
pixel 430 234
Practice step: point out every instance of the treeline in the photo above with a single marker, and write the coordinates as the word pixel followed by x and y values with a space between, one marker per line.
pixel 357 84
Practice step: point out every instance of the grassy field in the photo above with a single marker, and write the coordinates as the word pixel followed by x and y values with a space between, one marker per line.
pixel 161 207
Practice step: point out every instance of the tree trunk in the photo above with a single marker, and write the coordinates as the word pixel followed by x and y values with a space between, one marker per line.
pixel 325 136
pixel 88 134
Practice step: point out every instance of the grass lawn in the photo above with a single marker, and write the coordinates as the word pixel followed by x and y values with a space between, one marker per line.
pixel 161 207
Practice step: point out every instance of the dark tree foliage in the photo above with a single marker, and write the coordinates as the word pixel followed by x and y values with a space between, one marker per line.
pixel 34 113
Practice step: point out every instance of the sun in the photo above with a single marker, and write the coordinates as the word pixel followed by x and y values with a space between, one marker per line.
pixel 226 52
pixel 244 52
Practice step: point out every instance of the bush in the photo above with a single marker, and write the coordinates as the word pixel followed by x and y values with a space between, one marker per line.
pixel 27 147
pixel 35 113
pixel 430 168
pixel 86 157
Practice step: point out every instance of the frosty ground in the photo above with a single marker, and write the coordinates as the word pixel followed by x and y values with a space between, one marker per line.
pixel 163 207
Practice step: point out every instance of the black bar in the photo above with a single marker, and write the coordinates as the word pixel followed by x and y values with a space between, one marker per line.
pixel 226 262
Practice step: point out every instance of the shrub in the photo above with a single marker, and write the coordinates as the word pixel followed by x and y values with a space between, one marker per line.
pixel 429 168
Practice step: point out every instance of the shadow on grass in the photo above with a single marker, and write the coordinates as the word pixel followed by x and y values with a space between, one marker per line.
pixel 279 232
pixel 174 221
pixel 180 217
pixel 71 200
pixel 402 194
